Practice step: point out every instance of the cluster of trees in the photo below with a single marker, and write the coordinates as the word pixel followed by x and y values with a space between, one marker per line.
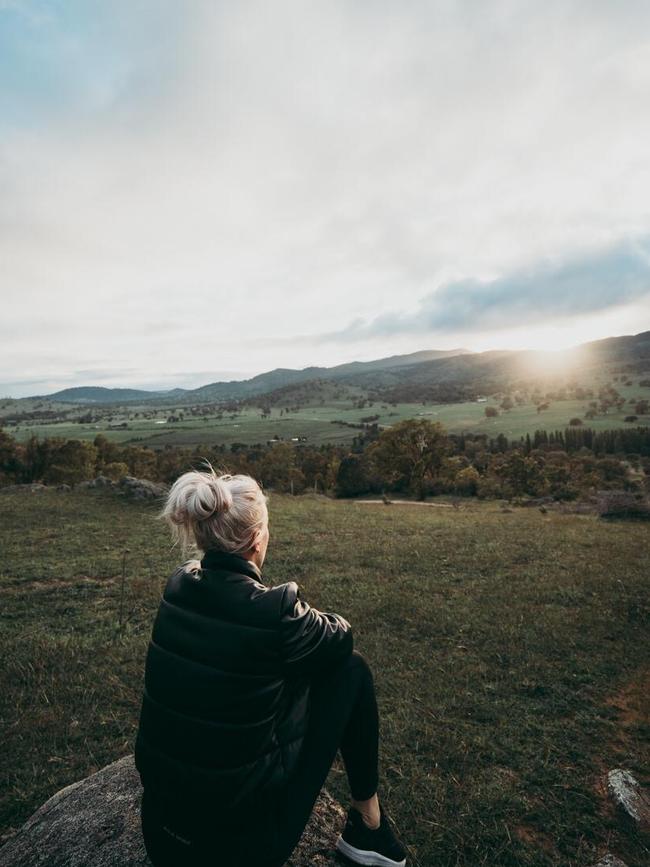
pixel 607 398
pixel 558 464
pixel 414 457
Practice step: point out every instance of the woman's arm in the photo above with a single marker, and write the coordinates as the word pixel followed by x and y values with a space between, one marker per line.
pixel 311 639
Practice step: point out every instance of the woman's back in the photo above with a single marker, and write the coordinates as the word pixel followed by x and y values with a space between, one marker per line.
pixel 225 705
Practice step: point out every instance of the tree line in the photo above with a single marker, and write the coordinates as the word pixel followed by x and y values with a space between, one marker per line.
pixel 413 457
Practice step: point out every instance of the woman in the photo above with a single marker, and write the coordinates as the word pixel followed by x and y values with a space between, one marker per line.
pixel 249 692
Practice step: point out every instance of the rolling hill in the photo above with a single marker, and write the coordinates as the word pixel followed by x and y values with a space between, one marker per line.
pixel 428 374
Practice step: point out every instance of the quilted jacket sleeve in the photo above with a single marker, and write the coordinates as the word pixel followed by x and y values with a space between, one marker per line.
pixel 311 639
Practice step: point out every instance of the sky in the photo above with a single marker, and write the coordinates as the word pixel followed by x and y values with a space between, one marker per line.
pixel 199 191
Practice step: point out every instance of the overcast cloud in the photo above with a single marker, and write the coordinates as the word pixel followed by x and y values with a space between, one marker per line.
pixel 197 191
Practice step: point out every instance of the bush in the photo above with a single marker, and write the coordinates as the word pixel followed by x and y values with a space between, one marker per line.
pixel 116 470
pixel 466 481
pixel 565 493
pixel 490 488
pixel 352 478
pixel 575 422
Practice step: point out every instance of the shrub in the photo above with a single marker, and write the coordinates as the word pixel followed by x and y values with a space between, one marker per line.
pixel 466 481
pixel 489 487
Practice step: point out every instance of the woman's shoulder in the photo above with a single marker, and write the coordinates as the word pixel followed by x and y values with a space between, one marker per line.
pixel 237 597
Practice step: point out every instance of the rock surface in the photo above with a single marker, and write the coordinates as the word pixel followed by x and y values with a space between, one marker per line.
pixel 96 823
pixel 30 488
pixel 142 489
pixel 630 798
pixel 623 504
pixel 610 861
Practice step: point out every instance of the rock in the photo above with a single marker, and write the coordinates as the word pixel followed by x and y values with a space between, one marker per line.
pixel 537 501
pixel 142 489
pixel 104 482
pixel 98 482
pixel 63 487
pixel 623 505
pixel 578 508
pixel 96 823
pixel 630 798
pixel 610 861
pixel 29 488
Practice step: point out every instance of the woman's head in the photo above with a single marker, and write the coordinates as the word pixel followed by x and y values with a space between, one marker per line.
pixel 226 512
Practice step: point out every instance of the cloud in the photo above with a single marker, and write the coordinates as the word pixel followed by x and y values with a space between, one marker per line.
pixel 547 291
pixel 186 187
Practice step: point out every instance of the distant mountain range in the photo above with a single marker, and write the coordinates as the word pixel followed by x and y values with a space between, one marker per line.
pixel 415 375
pixel 238 389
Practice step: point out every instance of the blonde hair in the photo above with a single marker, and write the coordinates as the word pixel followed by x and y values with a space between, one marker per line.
pixel 206 510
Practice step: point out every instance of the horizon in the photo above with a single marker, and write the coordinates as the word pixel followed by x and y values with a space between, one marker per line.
pixel 461 350
pixel 196 195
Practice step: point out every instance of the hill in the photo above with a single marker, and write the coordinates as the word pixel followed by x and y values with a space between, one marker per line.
pixel 432 375
pixel 89 394
pixel 239 389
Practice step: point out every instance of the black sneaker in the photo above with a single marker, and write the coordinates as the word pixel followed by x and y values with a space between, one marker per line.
pixel 364 845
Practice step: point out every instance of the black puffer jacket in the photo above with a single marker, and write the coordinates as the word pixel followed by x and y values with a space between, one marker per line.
pixel 225 705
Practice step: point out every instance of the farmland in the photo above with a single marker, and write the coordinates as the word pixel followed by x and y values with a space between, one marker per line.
pixel 330 423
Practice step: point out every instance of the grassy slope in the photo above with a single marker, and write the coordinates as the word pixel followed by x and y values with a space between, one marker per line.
pixel 509 652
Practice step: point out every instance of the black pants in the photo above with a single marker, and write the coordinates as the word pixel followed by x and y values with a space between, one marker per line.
pixel 343 715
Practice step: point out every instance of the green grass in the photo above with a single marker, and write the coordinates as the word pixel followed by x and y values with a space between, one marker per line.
pixel 509 650
pixel 317 423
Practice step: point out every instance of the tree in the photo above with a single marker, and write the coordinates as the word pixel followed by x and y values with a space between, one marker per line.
pixel 10 463
pixel 410 454
pixel 73 461
pixel 466 481
pixel 491 411
pixel 279 471
pixel 521 474
pixel 351 478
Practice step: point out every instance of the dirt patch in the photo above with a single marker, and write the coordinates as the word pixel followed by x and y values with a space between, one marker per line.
pixel 632 703
pixel 534 837
pixel 407 503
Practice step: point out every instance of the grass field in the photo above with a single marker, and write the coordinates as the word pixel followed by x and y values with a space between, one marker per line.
pixel 318 423
pixel 509 649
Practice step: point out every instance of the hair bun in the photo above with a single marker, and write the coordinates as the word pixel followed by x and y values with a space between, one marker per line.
pixel 225 512
pixel 210 496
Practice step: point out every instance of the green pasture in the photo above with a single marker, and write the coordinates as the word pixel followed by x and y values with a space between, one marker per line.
pixel 509 651
pixel 319 423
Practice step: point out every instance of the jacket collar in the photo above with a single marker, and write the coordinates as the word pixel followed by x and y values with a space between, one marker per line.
pixel 215 559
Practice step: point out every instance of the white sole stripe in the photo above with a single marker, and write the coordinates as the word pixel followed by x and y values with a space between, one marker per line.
pixel 364 856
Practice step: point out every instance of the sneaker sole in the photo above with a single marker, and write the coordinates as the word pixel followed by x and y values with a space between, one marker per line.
pixel 364 856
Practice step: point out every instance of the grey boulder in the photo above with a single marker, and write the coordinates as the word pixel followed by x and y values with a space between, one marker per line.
pixel 96 823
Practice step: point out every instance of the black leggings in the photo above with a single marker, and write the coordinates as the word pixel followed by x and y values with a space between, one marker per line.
pixel 343 715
